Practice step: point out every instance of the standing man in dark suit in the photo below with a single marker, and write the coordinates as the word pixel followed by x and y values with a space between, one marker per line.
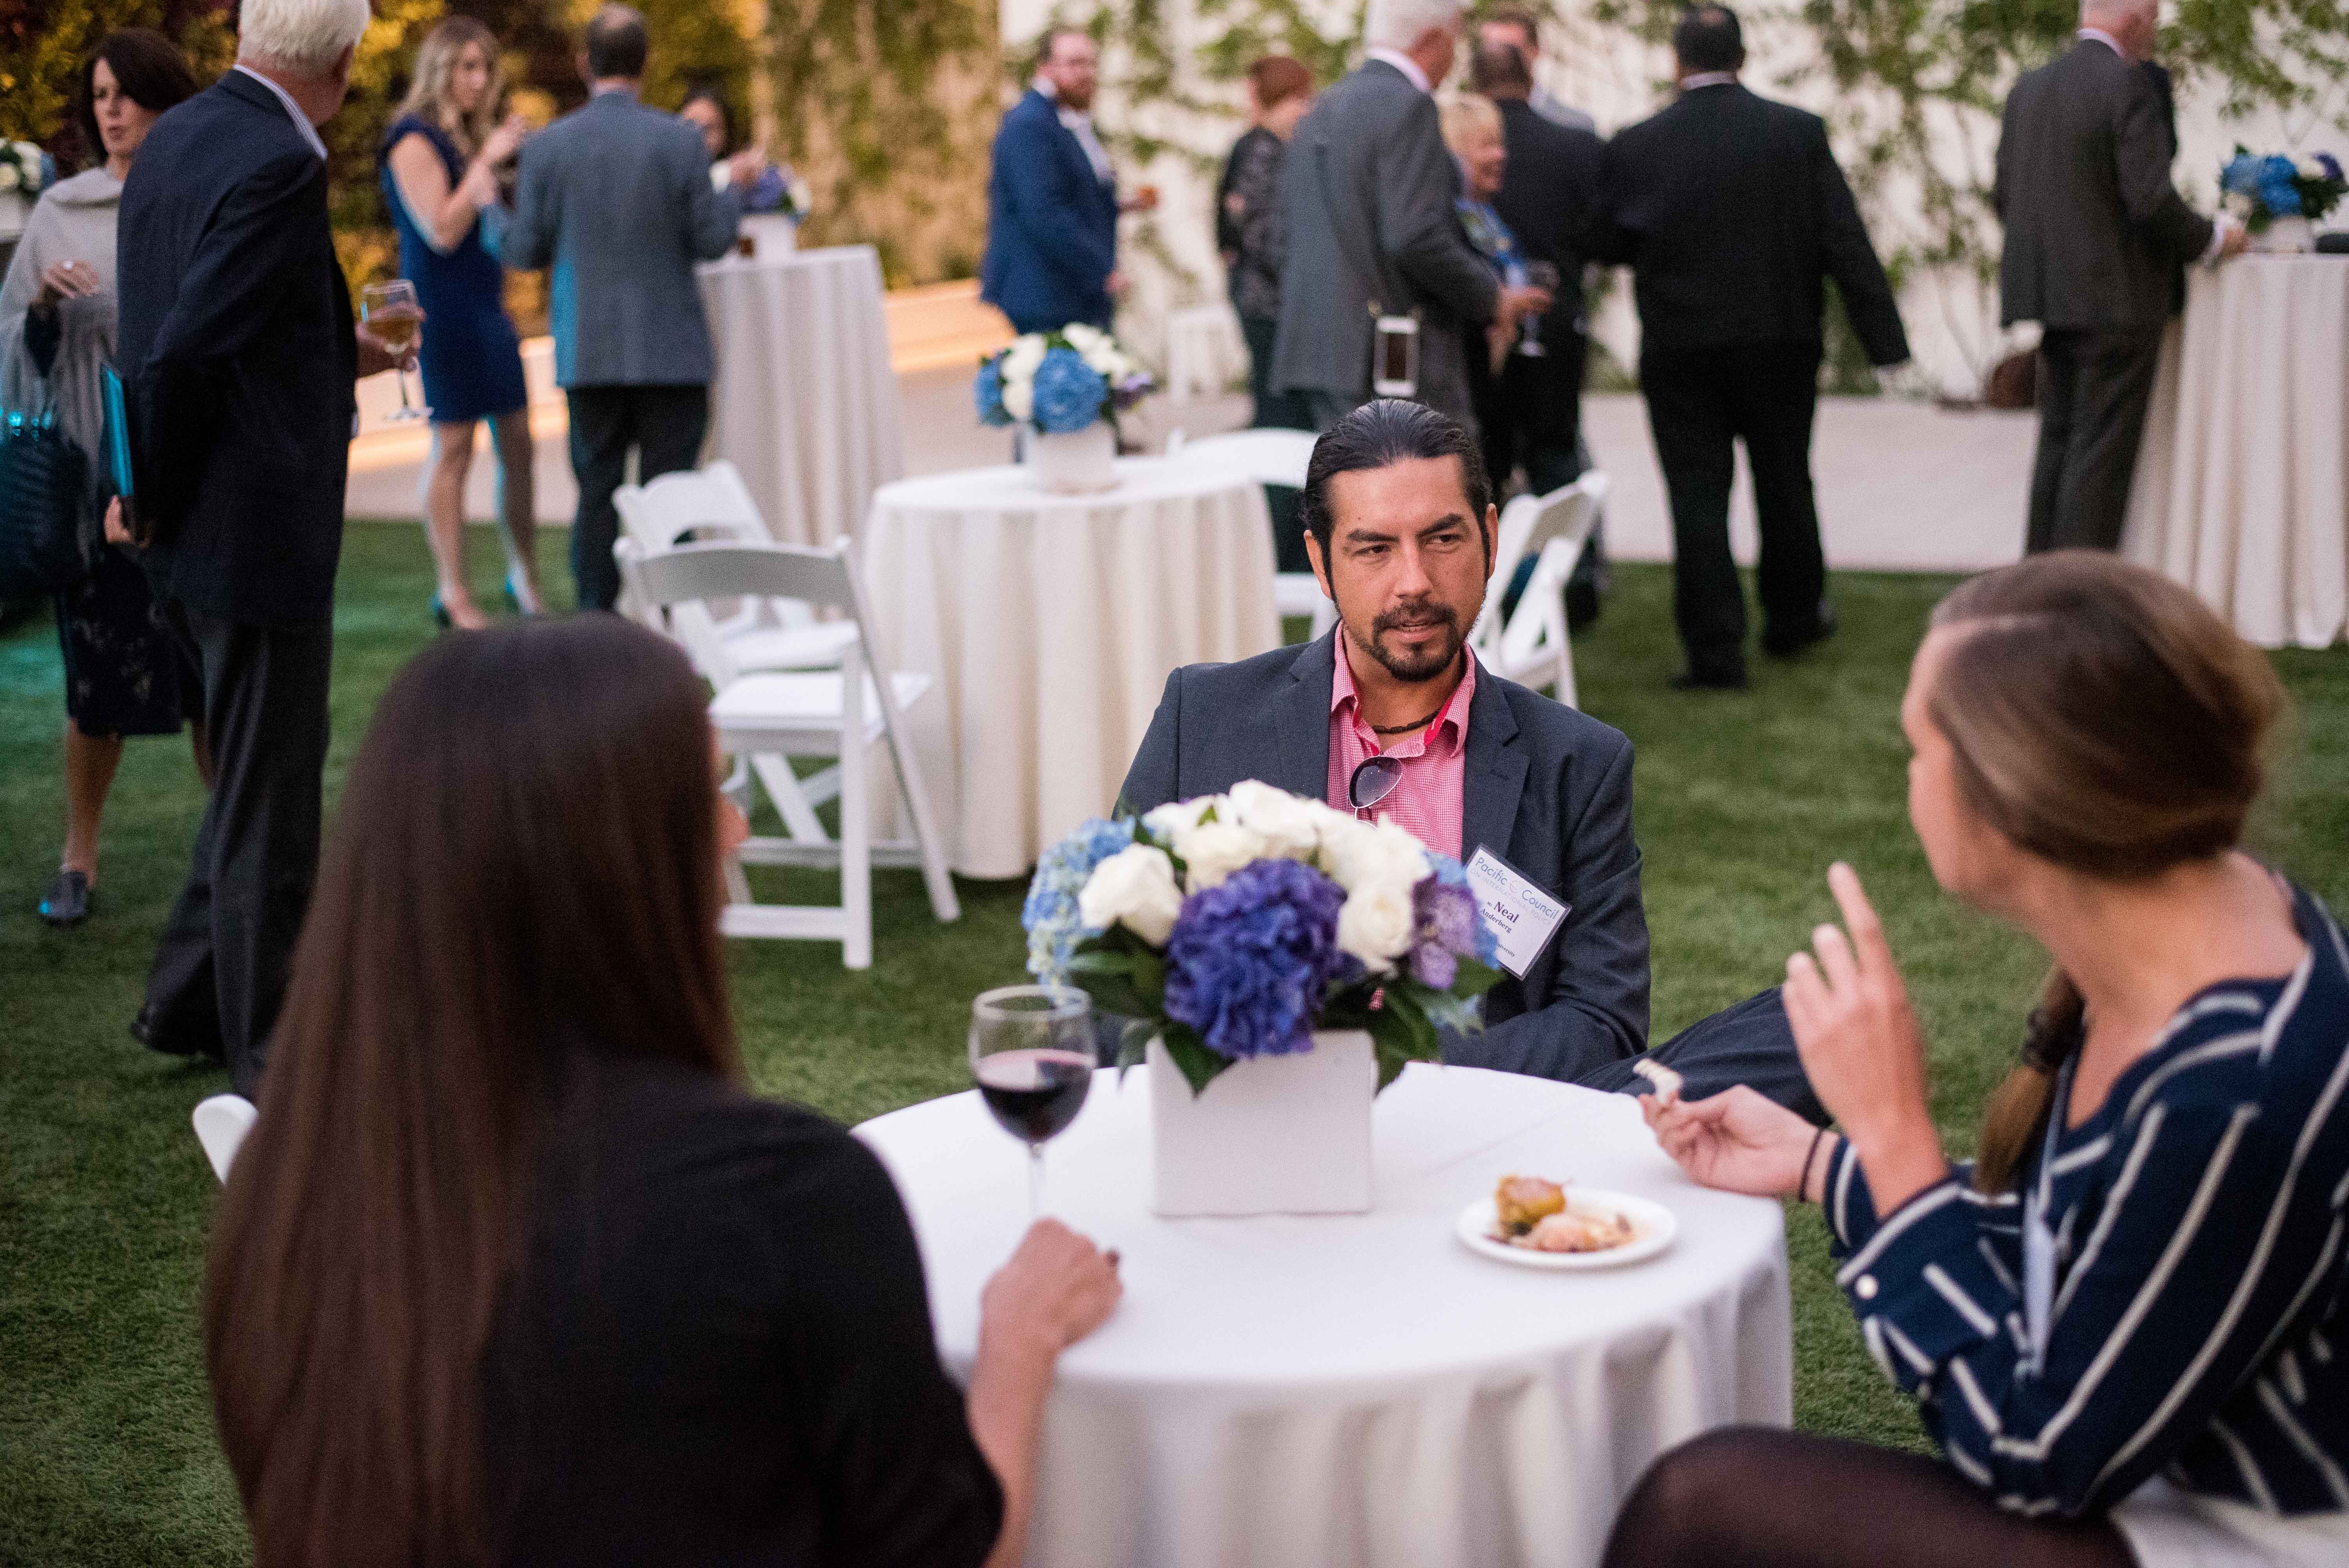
pixel 1368 191
pixel 237 340
pixel 1548 188
pixel 1052 198
pixel 1731 210
pixel 2095 236
pixel 616 199
pixel 1391 715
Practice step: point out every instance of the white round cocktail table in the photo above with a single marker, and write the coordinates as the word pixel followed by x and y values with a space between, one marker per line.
pixel 1359 1389
pixel 1050 624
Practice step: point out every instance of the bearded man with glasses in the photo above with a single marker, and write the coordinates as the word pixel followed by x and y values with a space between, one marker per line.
pixel 1391 717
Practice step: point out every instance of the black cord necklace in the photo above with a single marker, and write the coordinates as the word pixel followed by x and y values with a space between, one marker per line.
pixel 1406 729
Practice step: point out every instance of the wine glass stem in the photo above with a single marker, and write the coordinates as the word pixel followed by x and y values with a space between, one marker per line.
pixel 1035 1182
pixel 400 374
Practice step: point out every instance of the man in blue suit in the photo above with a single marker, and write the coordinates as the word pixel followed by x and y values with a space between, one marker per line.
pixel 1051 200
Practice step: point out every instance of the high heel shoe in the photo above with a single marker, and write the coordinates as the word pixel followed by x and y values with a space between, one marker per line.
pixel 513 597
pixel 440 613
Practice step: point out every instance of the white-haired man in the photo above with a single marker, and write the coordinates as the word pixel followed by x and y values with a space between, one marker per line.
pixel 1367 193
pixel 2095 235
pixel 238 351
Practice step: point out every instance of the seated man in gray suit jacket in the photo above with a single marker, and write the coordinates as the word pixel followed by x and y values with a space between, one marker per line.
pixel 616 198
pixel 1399 522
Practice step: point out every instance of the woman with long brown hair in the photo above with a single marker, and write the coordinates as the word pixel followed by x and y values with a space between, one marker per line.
pixel 512 1269
pixel 2122 1323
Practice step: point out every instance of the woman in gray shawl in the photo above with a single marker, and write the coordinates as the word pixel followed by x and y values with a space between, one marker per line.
pixel 125 673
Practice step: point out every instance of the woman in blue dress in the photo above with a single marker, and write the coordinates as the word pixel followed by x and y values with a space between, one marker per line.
pixel 440 166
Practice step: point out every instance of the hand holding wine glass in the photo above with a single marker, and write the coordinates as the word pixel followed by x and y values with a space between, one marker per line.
pixel 1032 1053
pixel 1544 276
pixel 393 319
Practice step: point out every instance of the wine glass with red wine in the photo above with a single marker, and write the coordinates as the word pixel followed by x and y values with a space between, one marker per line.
pixel 1032 1052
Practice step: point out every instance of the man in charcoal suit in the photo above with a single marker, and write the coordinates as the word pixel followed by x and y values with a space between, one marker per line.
pixel 1731 212
pixel 2095 238
pixel 1368 193
pixel 616 199
pixel 239 353
pixel 1052 198
pixel 1399 523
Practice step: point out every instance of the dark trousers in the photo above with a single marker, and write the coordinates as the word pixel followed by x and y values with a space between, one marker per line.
pixel 1271 410
pixel 2093 391
pixel 1750 1043
pixel 665 424
pixel 220 971
pixel 1531 413
pixel 1700 402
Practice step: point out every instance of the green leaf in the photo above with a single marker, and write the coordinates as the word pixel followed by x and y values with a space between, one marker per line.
pixel 1191 1054
pixel 1390 1043
pixel 1474 979
pixel 1134 1044
pixel 1447 1011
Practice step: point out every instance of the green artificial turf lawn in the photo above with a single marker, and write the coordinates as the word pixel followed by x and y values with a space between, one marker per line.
pixel 106 1447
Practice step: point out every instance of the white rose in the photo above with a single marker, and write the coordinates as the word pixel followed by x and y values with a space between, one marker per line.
pixel 1375 925
pixel 1169 820
pixel 1134 888
pixel 1083 337
pixel 1213 850
pixel 1363 856
pixel 9 177
pixel 1288 823
pixel 1024 354
pixel 1019 395
pixel 2311 169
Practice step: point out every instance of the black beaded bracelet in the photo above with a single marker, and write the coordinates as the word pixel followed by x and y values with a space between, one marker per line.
pixel 1803 1182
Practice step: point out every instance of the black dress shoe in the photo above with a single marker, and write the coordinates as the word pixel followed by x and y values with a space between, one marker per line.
pixel 1710 680
pixel 1819 631
pixel 68 900
pixel 142 1029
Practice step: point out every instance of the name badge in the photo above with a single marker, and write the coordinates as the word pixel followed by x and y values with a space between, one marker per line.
pixel 1521 917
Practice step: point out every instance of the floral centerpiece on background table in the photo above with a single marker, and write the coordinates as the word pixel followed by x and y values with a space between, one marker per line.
pixel 1231 927
pixel 2278 192
pixel 21 166
pixel 1068 388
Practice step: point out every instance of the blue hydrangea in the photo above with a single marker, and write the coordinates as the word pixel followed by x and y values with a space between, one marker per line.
pixel 1447 927
pixel 2280 197
pixel 988 392
pixel 1068 392
pixel 2241 174
pixel 1251 959
pixel 1049 916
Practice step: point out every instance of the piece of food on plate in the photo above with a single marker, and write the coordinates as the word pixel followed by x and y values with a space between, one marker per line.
pixel 1519 1202
pixel 1579 1231
pixel 1667 1082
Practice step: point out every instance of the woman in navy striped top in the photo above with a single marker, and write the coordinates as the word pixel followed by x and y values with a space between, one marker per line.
pixel 2126 1323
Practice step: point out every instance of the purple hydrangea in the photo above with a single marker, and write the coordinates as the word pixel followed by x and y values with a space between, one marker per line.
pixel 1249 960
pixel 1446 926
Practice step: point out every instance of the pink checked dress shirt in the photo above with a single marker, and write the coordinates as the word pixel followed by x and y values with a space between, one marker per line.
pixel 1427 800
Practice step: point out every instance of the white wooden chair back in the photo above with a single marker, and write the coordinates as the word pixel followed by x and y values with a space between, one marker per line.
pixel 704 504
pixel 1533 645
pixel 1270 457
pixel 221 1125
pixel 1205 352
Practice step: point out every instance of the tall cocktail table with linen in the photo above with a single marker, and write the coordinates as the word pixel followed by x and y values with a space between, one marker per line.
pixel 1360 1389
pixel 2241 489
pixel 1051 623
pixel 804 402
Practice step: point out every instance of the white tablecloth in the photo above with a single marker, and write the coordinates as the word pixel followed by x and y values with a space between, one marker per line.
pixel 1359 1391
pixel 2241 489
pixel 804 402
pixel 1051 623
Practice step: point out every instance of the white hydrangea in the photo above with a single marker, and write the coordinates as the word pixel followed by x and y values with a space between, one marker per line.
pixel 1289 823
pixel 1375 925
pixel 1212 851
pixel 1168 820
pixel 9 178
pixel 1134 888
pixel 2311 169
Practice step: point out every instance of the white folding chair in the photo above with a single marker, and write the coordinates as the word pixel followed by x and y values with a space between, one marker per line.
pixel 1531 645
pixel 779 714
pixel 1270 457
pixel 1205 352
pixel 221 1123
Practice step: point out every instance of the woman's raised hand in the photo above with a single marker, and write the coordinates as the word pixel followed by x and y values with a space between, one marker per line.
pixel 506 140
pixel 1862 1048
pixel 1735 1141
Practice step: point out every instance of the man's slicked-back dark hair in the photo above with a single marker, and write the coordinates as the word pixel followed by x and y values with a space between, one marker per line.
pixel 1378 434
pixel 615 43
pixel 1708 38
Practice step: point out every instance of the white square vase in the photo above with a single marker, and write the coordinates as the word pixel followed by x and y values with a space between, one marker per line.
pixel 771 234
pixel 1081 462
pixel 1277 1135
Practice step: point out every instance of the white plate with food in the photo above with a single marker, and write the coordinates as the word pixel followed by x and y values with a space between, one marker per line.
pixel 1542 1224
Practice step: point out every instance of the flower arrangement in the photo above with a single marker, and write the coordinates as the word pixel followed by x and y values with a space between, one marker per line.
pixel 779 190
pixel 1232 926
pixel 20 170
pixel 1060 381
pixel 2261 190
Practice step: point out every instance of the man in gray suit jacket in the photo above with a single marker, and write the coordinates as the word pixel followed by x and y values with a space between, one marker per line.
pixel 1368 193
pixel 2095 235
pixel 1400 525
pixel 618 198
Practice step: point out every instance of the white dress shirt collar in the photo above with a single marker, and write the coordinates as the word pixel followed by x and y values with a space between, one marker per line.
pixel 1407 66
pixel 294 112
pixel 2106 40
pixel 1690 83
